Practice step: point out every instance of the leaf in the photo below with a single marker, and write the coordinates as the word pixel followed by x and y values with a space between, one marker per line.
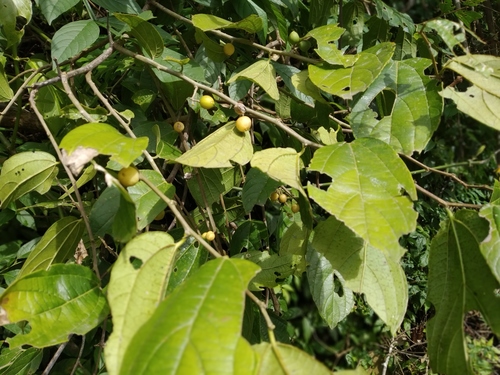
pixel 282 164
pixel 148 203
pixel 375 273
pixel 394 17
pixel 416 111
pixel 146 34
pixel 122 149
pixel 325 37
pixel 136 287
pixel 120 6
pixel 15 15
pixel 249 236
pixel 459 281
pixel 72 39
pixel 274 268
pixel 6 92
pixel 371 190
pixel 451 32
pixel 346 82
pixel 257 188
pixel 303 84
pixel 262 73
pixel 51 9
pixel 57 245
pixel 476 103
pixel 285 359
pixel 219 148
pixel 294 242
pixel 490 247
pixel 20 361
pixel 207 22
pixel 328 289
pixel 43 297
pixel 187 333
pixel 212 183
pixel 25 172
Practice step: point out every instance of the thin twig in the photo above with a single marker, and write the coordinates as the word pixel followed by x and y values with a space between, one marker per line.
pixel 80 207
pixel 79 355
pixel 445 203
pixel 56 356
pixel 74 100
pixel 388 356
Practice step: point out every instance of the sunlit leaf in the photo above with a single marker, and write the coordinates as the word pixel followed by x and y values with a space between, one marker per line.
pixel 51 9
pixel 122 149
pixel 394 17
pixel 346 82
pixel 43 297
pixel 451 32
pixel 285 359
pixel 257 189
pixel 490 247
pixel 262 73
pixel 459 281
pixel 25 172
pixel 207 22
pixel 371 190
pixel 15 15
pixel 6 92
pixel 187 333
pixel 326 36
pixel 375 273
pixel 137 286
pixel 219 148
pixel 282 164
pixel 57 245
pixel 147 35
pixel 415 112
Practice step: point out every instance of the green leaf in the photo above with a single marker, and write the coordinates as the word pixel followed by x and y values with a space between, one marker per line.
pixel 211 183
pixel 146 34
pixel 25 172
pixel 294 242
pixel 136 287
pixel 328 289
pixel 282 164
pixel 416 109
pixel 180 336
pixel 219 148
pixel 303 84
pixel 250 235
pixel 371 191
pixel 57 245
pixel 20 361
pixel 282 359
pixel 6 92
pixel 148 203
pixel 346 82
pixel 257 188
pixel 43 297
pixel 261 73
pixel 51 9
pixel 451 32
pixel 365 269
pixel 206 22
pixel 490 247
pixel 325 37
pixel 459 281
pixel 72 39
pixel 274 268
pixel 121 6
pixel 394 17
pixel 15 15
pixel 122 149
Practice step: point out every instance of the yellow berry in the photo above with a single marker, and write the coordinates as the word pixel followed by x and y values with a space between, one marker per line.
pixel 295 208
pixel 243 124
pixel 160 216
pixel 282 198
pixel 274 196
pixel 228 49
pixel 209 236
pixel 207 102
pixel 179 126
pixel 128 176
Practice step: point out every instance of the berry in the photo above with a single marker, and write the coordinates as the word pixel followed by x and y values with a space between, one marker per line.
pixel 160 216
pixel 228 49
pixel 294 37
pixel 304 45
pixel 274 196
pixel 282 198
pixel 209 236
pixel 295 208
pixel 207 102
pixel 179 127
pixel 128 176
pixel 243 124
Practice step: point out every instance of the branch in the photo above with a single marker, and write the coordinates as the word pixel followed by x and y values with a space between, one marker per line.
pixel 446 203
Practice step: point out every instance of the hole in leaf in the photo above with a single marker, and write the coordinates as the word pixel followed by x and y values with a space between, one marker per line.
pixel 383 104
pixel 337 286
pixel 135 262
pixel 175 269
pixel 278 280
pixel 277 273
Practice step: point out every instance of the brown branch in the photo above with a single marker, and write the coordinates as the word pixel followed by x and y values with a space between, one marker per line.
pixel 445 203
